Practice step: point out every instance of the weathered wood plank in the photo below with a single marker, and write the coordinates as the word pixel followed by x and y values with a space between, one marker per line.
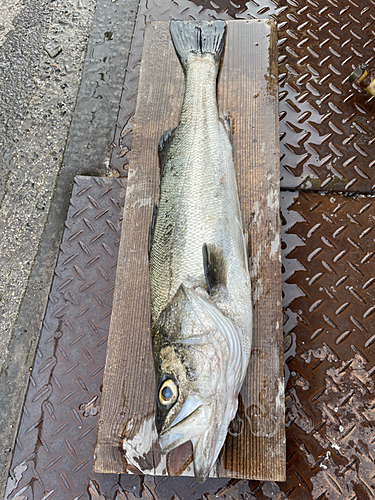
pixel 248 89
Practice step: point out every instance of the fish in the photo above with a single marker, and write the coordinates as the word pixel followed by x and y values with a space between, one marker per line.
pixel 201 310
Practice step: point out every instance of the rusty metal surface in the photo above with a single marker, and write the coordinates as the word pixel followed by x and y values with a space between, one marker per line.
pixel 326 124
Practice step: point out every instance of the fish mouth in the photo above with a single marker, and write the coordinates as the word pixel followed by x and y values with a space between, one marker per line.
pixel 188 424
pixel 193 424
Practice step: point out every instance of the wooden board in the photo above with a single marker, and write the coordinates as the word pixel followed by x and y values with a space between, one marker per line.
pixel 247 87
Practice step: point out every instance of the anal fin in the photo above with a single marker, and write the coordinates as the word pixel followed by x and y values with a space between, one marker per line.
pixel 152 229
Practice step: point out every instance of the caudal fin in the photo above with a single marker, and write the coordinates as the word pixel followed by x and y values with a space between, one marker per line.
pixel 204 37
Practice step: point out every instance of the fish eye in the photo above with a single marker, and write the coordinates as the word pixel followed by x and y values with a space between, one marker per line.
pixel 168 392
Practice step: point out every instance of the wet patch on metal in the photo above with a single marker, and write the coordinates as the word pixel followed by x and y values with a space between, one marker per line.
pixel 326 122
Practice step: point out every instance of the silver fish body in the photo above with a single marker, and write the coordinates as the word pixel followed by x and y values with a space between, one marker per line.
pixel 201 313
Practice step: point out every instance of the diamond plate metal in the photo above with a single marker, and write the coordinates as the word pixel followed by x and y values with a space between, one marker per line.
pixel 329 338
pixel 329 299
pixel 326 125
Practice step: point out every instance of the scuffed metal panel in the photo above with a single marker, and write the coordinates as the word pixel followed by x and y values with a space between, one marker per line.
pixel 326 124
pixel 328 349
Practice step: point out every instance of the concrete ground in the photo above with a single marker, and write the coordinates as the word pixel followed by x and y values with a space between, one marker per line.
pixel 62 66
pixel 42 53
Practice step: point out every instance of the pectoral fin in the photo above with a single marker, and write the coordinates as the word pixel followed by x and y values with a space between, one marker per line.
pixel 214 266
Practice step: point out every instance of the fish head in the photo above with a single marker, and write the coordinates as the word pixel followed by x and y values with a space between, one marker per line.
pixel 196 385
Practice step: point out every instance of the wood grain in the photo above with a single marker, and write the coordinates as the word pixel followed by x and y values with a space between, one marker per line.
pixel 247 88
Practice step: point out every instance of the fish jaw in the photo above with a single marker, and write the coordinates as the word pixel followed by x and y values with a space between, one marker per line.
pixel 206 427
pixel 187 429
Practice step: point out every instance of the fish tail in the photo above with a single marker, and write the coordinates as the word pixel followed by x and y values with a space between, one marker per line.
pixel 200 38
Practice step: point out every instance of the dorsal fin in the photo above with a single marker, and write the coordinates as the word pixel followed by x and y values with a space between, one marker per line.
pixel 214 266
pixel 164 142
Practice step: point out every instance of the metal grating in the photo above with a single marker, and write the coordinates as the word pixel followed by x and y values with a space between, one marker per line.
pixel 326 124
